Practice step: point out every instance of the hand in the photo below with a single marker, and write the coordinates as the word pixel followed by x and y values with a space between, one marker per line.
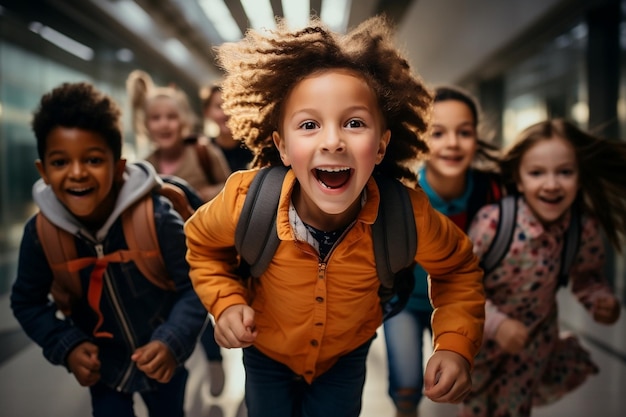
pixel 447 378
pixel 606 309
pixel 235 328
pixel 155 360
pixel 511 335
pixel 83 362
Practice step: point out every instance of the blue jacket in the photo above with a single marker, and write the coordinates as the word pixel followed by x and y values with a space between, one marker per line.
pixel 135 311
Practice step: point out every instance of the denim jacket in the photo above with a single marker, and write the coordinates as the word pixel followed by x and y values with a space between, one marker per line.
pixel 135 311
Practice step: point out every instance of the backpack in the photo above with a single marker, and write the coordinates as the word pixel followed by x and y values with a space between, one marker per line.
pixel 394 236
pixel 200 147
pixel 143 247
pixel 501 242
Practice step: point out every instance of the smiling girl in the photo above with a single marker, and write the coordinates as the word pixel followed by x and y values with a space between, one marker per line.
pixel 456 187
pixel 524 362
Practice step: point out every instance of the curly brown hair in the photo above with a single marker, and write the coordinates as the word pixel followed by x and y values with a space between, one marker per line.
pixel 601 174
pixel 263 68
pixel 79 105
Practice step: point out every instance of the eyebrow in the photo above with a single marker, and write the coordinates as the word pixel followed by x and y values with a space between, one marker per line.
pixel 91 149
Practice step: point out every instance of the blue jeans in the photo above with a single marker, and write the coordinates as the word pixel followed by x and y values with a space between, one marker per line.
pixel 272 389
pixel 404 335
pixel 166 401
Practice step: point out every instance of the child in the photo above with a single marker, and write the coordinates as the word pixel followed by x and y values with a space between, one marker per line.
pixel 457 189
pixel 134 336
pixel 333 108
pixel 236 154
pixel 524 362
pixel 167 120
pixel 165 116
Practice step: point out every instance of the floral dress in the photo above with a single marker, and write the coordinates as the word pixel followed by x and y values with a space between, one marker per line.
pixel 523 287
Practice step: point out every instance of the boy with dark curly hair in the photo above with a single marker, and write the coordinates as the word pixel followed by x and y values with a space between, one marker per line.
pixel 335 109
pixel 120 333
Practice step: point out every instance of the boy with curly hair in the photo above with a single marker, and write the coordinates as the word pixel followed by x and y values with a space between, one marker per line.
pixel 120 333
pixel 336 110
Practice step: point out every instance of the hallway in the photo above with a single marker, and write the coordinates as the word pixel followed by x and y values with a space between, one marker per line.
pixel 29 386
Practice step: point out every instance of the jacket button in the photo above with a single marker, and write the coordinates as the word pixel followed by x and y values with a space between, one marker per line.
pixel 319 299
pixel 314 343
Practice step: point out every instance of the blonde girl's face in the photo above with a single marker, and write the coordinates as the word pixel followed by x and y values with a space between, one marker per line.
pixel 215 113
pixel 549 178
pixel 332 137
pixel 452 139
pixel 164 122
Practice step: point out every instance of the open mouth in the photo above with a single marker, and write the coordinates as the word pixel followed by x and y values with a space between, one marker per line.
pixel 333 178
pixel 452 158
pixel 552 200
pixel 79 192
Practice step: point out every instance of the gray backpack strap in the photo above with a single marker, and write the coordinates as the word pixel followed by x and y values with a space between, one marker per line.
pixel 394 231
pixel 256 239
pixel 504 234
pixel 571 240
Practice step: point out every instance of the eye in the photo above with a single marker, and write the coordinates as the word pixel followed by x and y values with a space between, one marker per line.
pixel 466 133
pixel 355 123
pixel 534 173
pixel 58 162
pixel 308 125
pixel 567 172
pixel 95 160
pixel 436 134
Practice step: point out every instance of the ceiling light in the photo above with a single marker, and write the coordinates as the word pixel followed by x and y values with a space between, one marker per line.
pixel 335 14
pixel 260 14
pixel 62 41
pixel 219 15
pixel 296 13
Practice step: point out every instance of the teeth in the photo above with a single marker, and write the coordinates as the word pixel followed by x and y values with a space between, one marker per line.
pixel 338 169
pixel 78 190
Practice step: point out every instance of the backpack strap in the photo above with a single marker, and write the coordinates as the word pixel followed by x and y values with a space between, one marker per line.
pixel 504 234
pixel 256 238
pixel 395 243
pixel 140 233
pixel 205 160
pixel 59 246
pixel 395 240
pixel 571 241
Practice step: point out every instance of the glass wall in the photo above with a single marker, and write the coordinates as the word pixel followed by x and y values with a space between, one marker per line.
pixel 551 83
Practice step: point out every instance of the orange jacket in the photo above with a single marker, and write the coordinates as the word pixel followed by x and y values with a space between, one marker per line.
pixel 310 313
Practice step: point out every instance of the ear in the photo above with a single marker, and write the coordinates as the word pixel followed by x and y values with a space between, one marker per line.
pixel 279 142
pixel 520 187
pixel 120 167
pixel 382 146
pixel 41 170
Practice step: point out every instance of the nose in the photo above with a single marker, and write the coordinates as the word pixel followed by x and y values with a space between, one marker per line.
pixel 77 170
pixel 332 141
pixel 552 182
pixel 452 140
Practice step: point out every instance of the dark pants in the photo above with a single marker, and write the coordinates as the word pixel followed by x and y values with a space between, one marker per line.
pixel 210 346
pixel 272 389
pixel 166 401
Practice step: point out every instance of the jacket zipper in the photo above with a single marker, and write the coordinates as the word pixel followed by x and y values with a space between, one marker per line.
pixel 119 311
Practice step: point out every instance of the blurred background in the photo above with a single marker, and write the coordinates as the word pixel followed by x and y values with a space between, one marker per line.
pixel 525 60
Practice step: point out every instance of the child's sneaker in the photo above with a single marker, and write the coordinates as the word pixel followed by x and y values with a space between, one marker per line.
pixel 216 377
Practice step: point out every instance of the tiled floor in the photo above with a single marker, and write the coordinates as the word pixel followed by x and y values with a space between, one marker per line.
pixel 29 386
